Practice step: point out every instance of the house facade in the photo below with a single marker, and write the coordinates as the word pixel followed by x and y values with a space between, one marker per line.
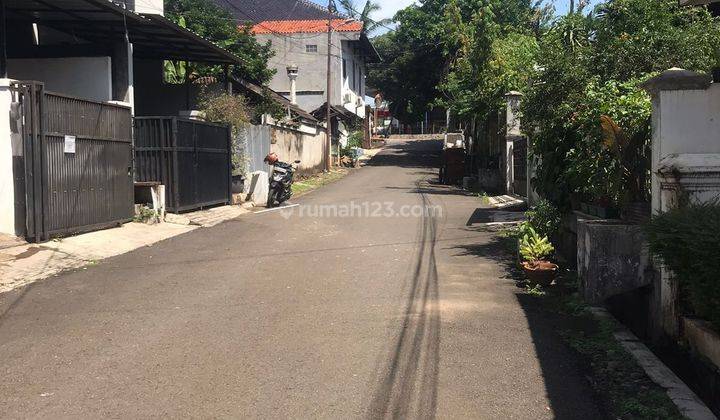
pixel 298 33
pixel 73 75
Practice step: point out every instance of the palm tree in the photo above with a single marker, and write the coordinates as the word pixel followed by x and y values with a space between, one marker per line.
pixel 369 25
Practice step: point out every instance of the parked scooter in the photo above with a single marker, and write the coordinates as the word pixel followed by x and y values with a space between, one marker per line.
pixel 281 180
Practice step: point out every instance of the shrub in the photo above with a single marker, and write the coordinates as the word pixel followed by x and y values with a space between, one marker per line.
pixel 686 240
pixel 225 108
pixel 544 217
pixel 534 247
pixel 354 140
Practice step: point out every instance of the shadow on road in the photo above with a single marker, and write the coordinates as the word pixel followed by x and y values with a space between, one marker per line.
pixel 565 373
pixel 412 154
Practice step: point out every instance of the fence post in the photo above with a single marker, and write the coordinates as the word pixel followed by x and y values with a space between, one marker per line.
pixel 175 162
pixel 685 158
pixel 230 162
pixel 512 133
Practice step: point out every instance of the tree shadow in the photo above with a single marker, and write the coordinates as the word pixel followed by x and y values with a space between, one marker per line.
pixel 565 372
pixel 409 154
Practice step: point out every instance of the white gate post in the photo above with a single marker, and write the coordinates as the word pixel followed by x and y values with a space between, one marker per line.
pixel 512 133
pixel 685 157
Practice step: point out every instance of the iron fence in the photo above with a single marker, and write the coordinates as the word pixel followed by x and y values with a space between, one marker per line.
pixel 520 185
pixel 193 159
pixel 77 160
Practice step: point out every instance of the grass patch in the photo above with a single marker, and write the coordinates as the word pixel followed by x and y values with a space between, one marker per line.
pixel 305 185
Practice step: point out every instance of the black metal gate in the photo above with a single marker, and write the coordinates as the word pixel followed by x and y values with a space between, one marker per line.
pixel 520 186
pixel 77 161
pixel 193 159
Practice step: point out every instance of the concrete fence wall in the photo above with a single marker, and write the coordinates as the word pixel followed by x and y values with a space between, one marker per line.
pixel 307 147
pixel 306 144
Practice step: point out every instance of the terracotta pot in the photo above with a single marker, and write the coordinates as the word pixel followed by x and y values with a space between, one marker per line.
pixel 540 272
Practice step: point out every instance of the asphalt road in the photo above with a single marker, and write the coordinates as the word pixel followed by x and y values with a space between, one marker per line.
pixel 357 304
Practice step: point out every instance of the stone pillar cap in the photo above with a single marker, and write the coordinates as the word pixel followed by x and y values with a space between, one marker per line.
pixel 677 79
pixel 513 93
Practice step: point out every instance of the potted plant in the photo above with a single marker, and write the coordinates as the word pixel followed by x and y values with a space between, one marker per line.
pixel 535 250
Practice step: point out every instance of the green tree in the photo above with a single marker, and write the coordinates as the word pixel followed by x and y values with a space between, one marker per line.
pixel 591 67
pixel 414 61
pixel 370 25
pixel 218 25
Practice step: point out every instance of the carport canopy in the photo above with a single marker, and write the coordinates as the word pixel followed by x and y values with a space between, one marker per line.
pixel 103 24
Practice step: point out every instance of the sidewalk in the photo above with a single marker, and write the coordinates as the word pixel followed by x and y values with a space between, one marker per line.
pixel 26 263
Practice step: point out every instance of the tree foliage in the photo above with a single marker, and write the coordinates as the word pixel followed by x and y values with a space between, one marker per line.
pixel 370 25
pixel 590 68
pixel 219 26
pixel 459 54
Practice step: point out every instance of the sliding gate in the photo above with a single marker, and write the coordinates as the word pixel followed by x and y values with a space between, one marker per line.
pixel 76 163
pixel 193 159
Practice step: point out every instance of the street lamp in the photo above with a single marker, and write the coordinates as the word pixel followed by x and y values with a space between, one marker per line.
pixel 292 72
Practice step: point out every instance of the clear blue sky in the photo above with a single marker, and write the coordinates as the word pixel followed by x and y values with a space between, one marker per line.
pixel 389 7
pixel 562 6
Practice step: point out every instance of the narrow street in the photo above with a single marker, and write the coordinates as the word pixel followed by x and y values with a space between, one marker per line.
pixel 297 314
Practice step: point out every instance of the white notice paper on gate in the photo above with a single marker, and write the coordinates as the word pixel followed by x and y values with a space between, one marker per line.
pixel 69 144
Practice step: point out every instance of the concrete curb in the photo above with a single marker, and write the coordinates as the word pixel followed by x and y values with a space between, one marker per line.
pixel 687 402
pixel 506 201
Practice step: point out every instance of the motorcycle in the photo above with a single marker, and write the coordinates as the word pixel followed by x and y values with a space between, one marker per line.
pixel 281 180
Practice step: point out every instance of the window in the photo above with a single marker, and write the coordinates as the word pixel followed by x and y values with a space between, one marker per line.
pixel 311 48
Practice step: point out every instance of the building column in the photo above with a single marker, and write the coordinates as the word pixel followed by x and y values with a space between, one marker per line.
pixel 7 186
pixel 122 73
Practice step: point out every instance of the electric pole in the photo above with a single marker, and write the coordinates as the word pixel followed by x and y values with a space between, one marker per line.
pixel 572 7
pixel 328 128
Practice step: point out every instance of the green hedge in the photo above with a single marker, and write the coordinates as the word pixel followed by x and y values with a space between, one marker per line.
pixel 687 240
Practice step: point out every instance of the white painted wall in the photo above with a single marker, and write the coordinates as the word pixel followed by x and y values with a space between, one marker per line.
pixel 84 77
pixel 686 135
pixel 353 84
pixel 685 157
pixel 7 193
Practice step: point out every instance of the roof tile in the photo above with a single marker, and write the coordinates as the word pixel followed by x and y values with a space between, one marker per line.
pixel 305 26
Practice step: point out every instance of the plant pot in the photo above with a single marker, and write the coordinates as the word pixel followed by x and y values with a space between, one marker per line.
pixel 540 272
pixel 238 184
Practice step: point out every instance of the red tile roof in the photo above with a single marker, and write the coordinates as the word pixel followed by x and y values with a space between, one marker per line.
pixel 305 26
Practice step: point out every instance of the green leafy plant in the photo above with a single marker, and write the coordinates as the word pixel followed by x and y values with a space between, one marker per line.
pixel 534 248
pixel 225 108
pixel 544 217
pixel 147 215
pixel 354 140
pixel 686 240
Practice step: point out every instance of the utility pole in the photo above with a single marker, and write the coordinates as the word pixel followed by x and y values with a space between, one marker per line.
pixel 572 7
pixel 328 128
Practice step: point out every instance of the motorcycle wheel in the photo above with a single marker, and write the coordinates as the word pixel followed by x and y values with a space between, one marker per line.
pixel 273 198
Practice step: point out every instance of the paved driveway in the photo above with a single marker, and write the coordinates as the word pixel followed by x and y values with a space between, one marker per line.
pixel 359 303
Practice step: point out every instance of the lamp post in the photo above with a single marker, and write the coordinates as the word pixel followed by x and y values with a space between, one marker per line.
pixel 292 72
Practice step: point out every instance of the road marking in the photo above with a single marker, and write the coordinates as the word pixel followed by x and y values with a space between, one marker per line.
pixel 277 208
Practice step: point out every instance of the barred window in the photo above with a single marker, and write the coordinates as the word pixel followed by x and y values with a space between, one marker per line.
pixel 311 48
